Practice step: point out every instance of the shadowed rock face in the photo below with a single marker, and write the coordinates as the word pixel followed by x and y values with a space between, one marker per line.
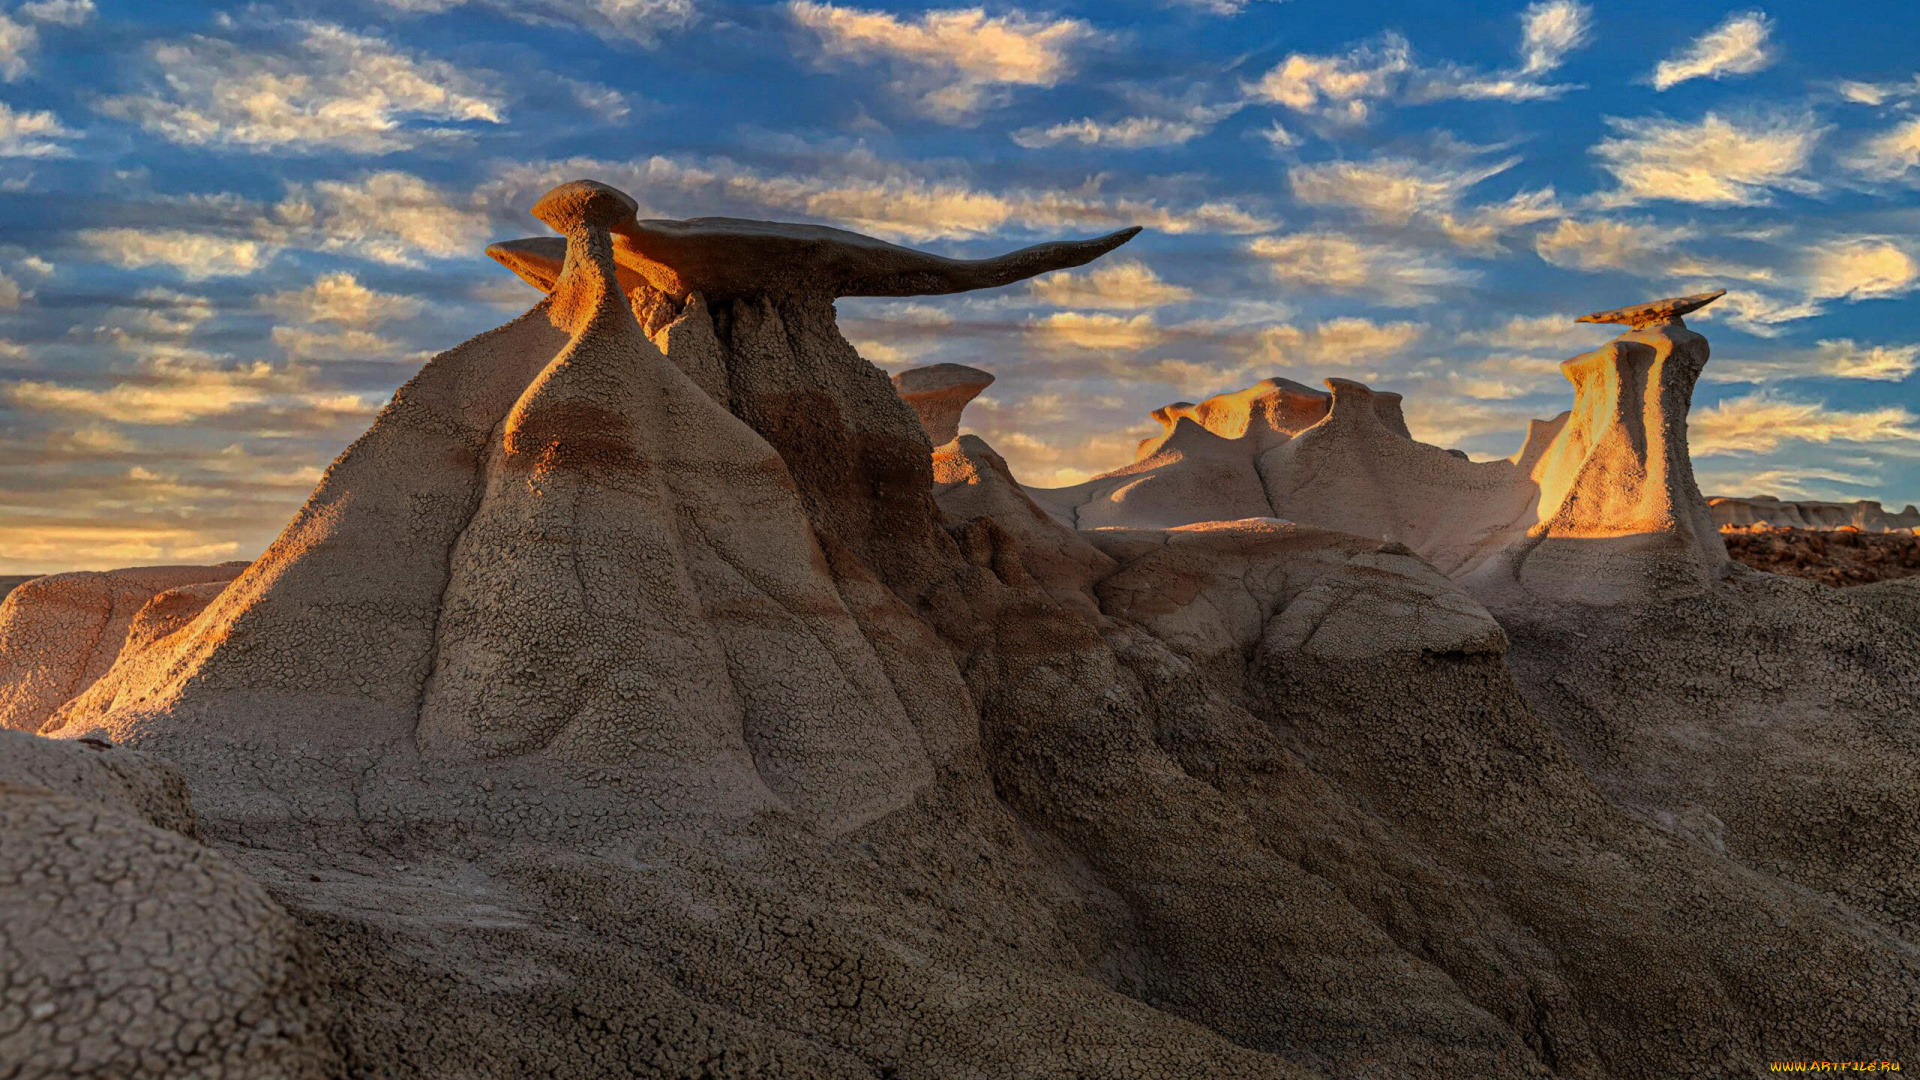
pixel 645 692
pixel 126 948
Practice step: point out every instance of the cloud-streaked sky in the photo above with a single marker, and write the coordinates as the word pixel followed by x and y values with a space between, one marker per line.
pixel 232 230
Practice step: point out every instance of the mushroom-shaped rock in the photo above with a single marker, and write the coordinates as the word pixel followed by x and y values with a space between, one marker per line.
pixel 1639 316
pixel 938 394
pixel 723 258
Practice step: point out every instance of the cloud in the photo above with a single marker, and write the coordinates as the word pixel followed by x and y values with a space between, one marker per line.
pixel 1337 342
pixel 1840 358
pixel 69 13
pixel 1861 268
pixel 1763 421
pixel 1131 133
pixel 1387 190
pixel 195 255
pixel 11 294
pixel 340 298
pixel 164 313
pixel 955 61
pixel 1759 313
pixel 1640 247
pixel 1219 7
pixel 1342 88
pixel 1111 333
pixel 639 21
pixel 1549 31
pixel 1339 88
pixel 1125 285
pixel 861 192
pixel 1716 162
pixel 1737 46
pixel 1892 155
pixel 165 391
pixel 389 217
pixel 1337 262
pixel 17 41
pixel 31 134
pixel 319 88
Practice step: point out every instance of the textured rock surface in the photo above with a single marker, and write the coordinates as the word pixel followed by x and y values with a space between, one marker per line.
pixel 938 395
pixel 126 948
pixel 612 712
pixel 1843 556
pixel 60 633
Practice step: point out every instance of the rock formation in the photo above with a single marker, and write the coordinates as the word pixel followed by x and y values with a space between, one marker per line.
pixel 1599 506
pixel 60 633
pixel 1766 510
pixel 646 693
pixel 127 949
pixel 938 394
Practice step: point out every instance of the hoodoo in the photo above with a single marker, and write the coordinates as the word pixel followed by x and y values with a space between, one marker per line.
pixel 646 692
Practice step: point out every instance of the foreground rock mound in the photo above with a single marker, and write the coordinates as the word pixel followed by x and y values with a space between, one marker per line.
pixel 126 948
pixel 645 693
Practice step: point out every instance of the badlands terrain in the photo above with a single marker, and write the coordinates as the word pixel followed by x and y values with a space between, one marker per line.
pixel 659 689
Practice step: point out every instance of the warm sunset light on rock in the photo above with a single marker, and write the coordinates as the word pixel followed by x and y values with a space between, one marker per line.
pixel 779 648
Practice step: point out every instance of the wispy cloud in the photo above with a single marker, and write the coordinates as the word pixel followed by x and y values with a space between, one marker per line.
pixel 32 134
pixel 313 87
pixel 1129 133
pixel 1124 285
pixel 1084 330
pixel 1764 421
pixel 1607 244
pixel 1890 155
pixel 1840 358
pixel 389 217
pixel 1719 161
pixel 638 21
pixel 194 255
pixel 1738 46
pixel 1342 263
pixel 1549 31
pixel 955 62
pixel 892 200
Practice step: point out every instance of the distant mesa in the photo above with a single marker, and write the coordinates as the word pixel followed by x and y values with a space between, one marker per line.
pixel 1864 515
pixel 1640 316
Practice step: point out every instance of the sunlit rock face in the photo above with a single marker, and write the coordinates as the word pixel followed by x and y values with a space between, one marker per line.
pixel 646 692
pixel 61 633
pixel 1599 506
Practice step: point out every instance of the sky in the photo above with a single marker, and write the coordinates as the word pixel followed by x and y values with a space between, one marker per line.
pixel 231 231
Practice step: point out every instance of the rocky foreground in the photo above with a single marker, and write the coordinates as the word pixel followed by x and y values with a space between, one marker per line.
pixel 1844 556
pixel 648 692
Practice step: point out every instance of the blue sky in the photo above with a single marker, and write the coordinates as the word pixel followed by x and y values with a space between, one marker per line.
pixel 232 230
